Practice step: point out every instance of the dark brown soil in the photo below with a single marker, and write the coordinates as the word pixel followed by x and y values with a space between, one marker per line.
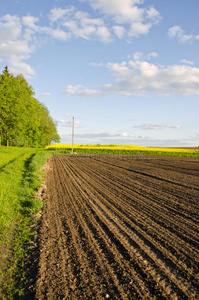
pixel 119 227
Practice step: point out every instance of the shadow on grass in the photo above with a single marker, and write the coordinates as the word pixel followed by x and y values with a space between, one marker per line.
pixel 9 163
pixel 33 250
pixel 26 192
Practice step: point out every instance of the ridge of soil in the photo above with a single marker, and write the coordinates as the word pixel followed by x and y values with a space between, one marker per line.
pixel 119 227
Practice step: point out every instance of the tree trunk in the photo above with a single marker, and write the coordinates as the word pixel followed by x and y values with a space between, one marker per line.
pixel 7 139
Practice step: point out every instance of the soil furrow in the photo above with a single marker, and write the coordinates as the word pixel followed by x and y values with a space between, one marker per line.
pixel 106 246
pixel 180 282
pixel 153 198
pixel 99 187
pixel 116 227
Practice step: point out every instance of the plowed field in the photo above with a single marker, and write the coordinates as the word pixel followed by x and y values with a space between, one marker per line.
pixel 119 227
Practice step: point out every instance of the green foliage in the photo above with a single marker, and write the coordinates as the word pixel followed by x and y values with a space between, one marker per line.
pixel 24 121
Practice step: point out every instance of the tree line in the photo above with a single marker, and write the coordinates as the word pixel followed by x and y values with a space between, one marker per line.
pixel 24 121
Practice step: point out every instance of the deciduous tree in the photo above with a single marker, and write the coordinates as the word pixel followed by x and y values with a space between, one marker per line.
pixel 24 121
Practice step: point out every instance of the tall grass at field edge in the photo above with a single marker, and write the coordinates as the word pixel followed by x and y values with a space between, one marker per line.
pixel 19 179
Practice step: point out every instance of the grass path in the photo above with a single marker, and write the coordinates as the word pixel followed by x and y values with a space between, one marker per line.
pixel 20 176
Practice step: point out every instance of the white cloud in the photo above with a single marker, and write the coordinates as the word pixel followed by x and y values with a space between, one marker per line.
pixel 139 77
pixel 157 126
pixel 103 33
pixel 45 94
pixel 20 67
pixel 82 25
pixel 141 56
pixel 119 68
pixel 97 64
pixel 58 34
pixel 128 12
pixel 123 11
pixel 137 55
pixel 72 90
pixel 58 13
pixel 138 28
pixel 179 33
pixel 110 135
pixel 187 62
pixel 114 89
pixel 30 21
pixel 14 46
pixel 69 23
pixel 79 90
pixel 146 69
pixel 85 19
pixel 10 37
pixel 15 52
pixel 10 28
pixel 28 35
pixel 144 77
pixel 21 36
pixel 142 140
pixel 119 31
pixel 83 32
pixel 74 23
pixel 69 123
pixel 153 14
pixel 67 115
pixel 152 54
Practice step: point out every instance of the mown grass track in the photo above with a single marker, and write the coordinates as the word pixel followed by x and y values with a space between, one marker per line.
pixel 119 228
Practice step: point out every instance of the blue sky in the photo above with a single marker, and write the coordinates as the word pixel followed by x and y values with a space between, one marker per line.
pixel 127 70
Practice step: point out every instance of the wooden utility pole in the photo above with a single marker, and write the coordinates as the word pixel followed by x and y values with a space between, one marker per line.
pixel 72 134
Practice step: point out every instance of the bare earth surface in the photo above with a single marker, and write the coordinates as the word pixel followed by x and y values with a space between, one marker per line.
pixel 119 227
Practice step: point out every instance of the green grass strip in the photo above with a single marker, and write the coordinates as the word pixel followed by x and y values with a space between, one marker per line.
pixel 20 176
pixel 125 152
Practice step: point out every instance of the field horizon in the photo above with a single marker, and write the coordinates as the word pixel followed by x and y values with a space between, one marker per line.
pixel 126 149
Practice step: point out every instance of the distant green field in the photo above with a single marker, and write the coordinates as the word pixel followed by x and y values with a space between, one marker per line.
pixel 20 175
pixel 126 150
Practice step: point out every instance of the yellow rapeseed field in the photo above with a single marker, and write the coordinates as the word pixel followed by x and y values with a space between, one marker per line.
pixel 123 147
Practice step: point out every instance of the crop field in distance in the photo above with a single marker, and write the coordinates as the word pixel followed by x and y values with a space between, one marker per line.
pixel 127 149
